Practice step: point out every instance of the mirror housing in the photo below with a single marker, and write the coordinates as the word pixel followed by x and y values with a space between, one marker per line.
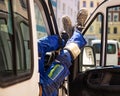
pixel 87 58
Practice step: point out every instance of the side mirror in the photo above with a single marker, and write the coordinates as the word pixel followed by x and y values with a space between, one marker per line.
pixel 87 58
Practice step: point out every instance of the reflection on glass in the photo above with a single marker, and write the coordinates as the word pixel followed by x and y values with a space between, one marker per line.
pixel 114 34
pixel 110 48
pixel 6 38
pixel 88 58
pixel 94 33
pixel 40 24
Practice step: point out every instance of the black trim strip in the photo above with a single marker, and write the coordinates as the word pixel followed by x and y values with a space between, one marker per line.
pixel 53 17
pixel 47 16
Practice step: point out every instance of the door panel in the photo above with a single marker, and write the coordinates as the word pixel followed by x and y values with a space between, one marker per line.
pixel 44 26
pixel 97 82
pixel 102 80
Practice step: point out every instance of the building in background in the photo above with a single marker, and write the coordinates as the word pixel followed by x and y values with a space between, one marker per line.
pixel 114 23
pixel 94 32
pixel 71 7
pixel 66 7
pixel 90 5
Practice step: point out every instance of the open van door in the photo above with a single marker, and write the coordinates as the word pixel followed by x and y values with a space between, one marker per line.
pixel 103 79
pixel 46 25
pixel 22 23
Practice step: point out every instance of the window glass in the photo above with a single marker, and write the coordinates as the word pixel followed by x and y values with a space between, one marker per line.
pixel 23 3
pixel 115 30
pixel 94 30
pixel 15 49
pixel 55 4
pixel 3 25
pixel 97 48
pixel 114 35
pixel 109 17
pixel 115 17
pixel 110 48
pixel 22 35
pixel 93 35
pixel 26 37
pixel 6 38
pixel 40 23
pixel 84 3
pixel 91 4
pixel 5 50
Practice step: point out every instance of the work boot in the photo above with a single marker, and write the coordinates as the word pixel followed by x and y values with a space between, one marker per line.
pixel 67 25
pixel 81 18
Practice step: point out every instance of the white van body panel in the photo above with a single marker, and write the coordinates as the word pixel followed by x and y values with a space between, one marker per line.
pixel 29 87
pixel 112 59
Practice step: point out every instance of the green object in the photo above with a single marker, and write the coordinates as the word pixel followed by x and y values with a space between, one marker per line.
pixel 57 69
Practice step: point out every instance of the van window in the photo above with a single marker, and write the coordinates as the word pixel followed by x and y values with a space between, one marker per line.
pixel 94 32
pixel 111 49
pixel 114 34
pixel 15 42
pixel 97 48
pixel 41 24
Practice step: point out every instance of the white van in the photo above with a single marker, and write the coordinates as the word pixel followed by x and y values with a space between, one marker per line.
pixel 112 51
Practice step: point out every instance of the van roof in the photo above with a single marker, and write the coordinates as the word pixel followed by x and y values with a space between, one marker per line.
pixel 98 41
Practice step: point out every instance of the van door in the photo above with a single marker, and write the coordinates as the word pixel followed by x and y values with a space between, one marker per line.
pixel 100 81
pixel 102 28
pixel 19 23
pixel 45 24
